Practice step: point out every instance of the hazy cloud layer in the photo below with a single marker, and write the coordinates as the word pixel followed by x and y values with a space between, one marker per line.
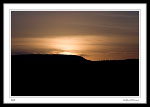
pixel 74 23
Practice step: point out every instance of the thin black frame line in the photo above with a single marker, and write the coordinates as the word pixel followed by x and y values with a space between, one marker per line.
pixel 10 53
pixel 76 9
pixel 69 96
pixel 76 3
pixel 140 53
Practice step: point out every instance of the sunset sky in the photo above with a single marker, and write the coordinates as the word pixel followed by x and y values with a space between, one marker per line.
pixel 94 35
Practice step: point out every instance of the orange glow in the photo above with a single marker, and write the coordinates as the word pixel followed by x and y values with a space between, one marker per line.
pixel 66 53
pixel 90 47
pixel 64 44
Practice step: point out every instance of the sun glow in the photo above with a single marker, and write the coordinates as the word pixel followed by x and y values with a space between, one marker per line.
pixel 90 47
pixel 66 53
pixel 65 44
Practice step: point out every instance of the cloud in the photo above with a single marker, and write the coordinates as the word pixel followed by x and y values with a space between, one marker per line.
pixel 40 24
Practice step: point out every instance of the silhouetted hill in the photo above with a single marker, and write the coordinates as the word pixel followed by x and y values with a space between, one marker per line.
pixel 61 59
pixel 71 75
pixel 48 58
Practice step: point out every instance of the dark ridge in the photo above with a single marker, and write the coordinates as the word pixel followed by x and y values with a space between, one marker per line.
pixel 61 58
pixel 71 75
pixel 49 58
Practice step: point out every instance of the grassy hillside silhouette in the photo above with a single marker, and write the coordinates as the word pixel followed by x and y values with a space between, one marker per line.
pixel 71 75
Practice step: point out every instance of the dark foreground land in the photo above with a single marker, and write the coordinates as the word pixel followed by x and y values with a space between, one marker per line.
pixel 70 75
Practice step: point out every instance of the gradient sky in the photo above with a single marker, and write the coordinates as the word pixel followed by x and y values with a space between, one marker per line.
pixel 95 35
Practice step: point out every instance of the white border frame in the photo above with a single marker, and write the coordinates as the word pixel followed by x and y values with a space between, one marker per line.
pixel 75 7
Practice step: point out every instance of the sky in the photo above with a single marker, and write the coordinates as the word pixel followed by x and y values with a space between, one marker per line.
pixel 94 35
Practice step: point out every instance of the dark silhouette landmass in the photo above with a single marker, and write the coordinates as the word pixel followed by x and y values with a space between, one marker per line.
pixel 71 75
